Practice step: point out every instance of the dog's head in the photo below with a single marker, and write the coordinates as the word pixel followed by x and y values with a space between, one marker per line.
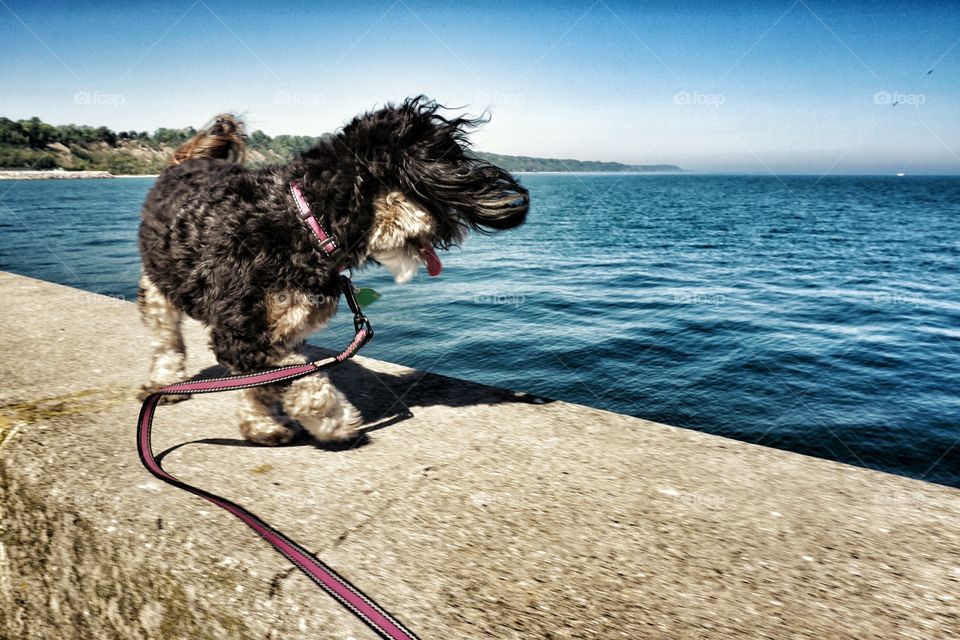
pixel 428 189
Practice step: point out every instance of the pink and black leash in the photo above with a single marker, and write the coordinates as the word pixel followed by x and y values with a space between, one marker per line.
pixel 361 605
pixel 325 577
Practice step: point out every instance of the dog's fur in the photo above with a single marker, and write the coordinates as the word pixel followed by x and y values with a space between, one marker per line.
pixel 223 244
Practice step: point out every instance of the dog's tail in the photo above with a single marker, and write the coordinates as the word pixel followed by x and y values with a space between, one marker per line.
pixel 223 138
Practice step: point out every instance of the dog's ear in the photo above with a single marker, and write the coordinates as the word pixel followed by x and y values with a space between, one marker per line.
pixel 442 169
pixel 486 195
pixel 481 195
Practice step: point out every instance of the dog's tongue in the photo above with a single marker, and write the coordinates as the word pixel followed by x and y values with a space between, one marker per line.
pixel 434 266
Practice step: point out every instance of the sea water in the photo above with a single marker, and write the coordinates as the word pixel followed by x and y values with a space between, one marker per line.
pixel 820 315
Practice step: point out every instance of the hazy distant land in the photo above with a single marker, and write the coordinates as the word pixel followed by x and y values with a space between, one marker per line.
pixel 34 149
pixel 526 163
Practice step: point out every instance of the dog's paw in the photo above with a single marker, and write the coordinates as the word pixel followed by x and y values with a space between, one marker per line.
pixel 266 431
pixel 339 425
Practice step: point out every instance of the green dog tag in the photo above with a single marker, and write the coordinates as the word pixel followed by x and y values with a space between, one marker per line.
pixel 366 296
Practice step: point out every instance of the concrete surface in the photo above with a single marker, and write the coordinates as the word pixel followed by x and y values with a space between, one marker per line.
pixel 478 514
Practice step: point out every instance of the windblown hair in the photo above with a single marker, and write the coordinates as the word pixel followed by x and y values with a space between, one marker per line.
pixel 414 149
pixel 222 138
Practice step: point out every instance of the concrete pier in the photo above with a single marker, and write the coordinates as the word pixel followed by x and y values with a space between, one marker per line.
pixel 470 512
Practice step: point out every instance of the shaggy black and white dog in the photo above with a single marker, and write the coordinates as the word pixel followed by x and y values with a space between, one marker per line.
pixel 224 245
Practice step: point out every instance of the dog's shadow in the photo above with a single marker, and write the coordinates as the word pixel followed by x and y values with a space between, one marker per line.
pixel 384 399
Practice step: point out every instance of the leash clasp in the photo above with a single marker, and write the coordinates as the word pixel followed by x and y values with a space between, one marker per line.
pixel 360 321
pixel 349 292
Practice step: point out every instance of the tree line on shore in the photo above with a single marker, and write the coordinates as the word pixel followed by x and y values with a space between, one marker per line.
pixel 34 144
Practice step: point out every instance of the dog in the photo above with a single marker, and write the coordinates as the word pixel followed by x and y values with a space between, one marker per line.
pixel 225 245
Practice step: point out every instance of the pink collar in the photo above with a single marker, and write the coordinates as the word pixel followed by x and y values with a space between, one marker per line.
pixel 321 238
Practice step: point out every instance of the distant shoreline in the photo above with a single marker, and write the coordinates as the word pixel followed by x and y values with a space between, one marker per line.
pixel 601 173
pixel 30 174
pixel 33 174
pixel 35 150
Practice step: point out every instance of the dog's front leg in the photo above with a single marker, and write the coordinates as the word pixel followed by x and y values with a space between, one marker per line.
pixel 259 414
pixel 261 419
pixel 270 415
pixel 321 409
pixel 312 401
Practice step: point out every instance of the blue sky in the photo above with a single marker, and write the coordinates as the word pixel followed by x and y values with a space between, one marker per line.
pixel 792 86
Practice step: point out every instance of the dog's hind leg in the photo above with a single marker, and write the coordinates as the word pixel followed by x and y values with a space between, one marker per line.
pixel 163 319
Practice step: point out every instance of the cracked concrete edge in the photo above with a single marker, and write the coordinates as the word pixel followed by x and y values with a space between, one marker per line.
pixel 89 587
pixel 76 569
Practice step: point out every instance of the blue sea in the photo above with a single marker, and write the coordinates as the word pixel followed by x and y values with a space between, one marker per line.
pixel 819 315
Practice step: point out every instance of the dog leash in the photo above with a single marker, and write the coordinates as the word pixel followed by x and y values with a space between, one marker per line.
pixel 338 587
